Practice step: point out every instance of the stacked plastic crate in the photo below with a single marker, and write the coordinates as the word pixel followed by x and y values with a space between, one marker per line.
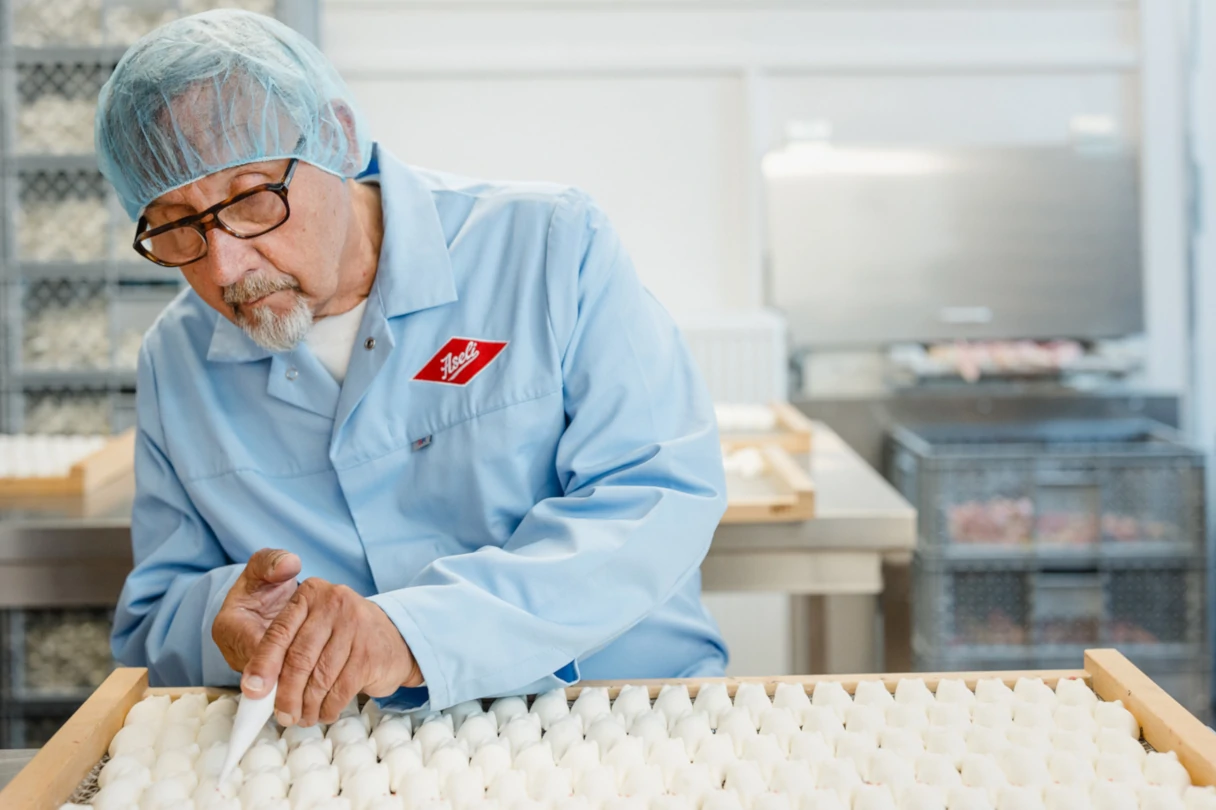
pixel 1037 541
pixel 75 298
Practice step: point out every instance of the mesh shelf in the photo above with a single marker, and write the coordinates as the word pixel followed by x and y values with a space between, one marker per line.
pixel 62 216
pixel 1120 487
pixel 59 411
pixel 57 655
pixel 66 326
pixel 57 103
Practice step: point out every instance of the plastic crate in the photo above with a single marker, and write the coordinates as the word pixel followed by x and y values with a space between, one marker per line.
pixel 57 655
pixel 1118 486
pixel 1154 605
pixel 59 411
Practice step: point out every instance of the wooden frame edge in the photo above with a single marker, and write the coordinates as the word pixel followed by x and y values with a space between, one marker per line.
pixel 1165 724
pixel 56 770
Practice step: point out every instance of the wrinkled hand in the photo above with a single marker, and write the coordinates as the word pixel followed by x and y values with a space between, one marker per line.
pixel 326 646
pixel 258 596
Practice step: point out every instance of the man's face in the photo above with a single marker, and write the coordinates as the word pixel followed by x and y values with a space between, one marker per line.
pixel 274 284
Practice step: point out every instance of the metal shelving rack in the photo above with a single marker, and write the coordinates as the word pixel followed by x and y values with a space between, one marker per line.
pixel 73 371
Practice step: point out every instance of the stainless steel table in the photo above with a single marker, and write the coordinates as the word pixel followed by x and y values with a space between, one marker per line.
pixel 833 565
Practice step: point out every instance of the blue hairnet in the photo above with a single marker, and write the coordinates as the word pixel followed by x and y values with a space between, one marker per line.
pixel 216 90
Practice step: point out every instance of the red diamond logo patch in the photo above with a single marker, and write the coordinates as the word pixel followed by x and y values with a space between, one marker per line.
pixel 460 360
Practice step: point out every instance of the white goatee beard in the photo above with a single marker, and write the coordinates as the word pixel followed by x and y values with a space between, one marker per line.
pixel 278 333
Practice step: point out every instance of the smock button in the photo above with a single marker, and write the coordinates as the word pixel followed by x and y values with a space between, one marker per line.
pixel 292 373
pixel 369 344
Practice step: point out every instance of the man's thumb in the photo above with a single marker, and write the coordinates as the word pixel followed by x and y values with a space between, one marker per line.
pixel 272 565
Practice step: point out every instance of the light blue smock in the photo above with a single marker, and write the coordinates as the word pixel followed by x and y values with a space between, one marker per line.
pixel 543 523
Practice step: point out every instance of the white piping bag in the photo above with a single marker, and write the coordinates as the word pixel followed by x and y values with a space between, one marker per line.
pixel 251 715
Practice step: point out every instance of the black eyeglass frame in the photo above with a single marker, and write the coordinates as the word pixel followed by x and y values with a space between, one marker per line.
pixel 208 219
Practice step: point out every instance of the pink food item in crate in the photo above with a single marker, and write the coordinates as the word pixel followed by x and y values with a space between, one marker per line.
pixel 1000 521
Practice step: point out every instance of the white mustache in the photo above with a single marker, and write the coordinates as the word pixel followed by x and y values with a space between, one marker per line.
pixel 255 287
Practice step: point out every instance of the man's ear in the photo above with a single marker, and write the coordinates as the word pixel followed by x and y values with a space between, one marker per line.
pixel 354 160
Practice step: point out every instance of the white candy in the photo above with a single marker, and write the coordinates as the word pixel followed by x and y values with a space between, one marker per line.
pixel 1078 742
pixel 825 799
pixel 791 696
pixel 983 772
pixel 1069 717
pixel 605 732
pixel 625 754
pixel 694 781
pixel 1118 768
pixel 993 690
pixel 618 803
pixel 565 733
pixel 223 706
pixel 175 762
pixel 672 754
pixel 1033 715
pixel 908 715
pixel 950 690
pixel 520 732
pixel 1019 798
pixel 216 730
pixel 1165 769
pixel 124 767
pixel 692 729
pixel 1066 797
pixel 1075 692
pixel 366 784
pixel 1157 797
pixel 938 770
pixel 950 742
pixel 1070 768
pixel 131 738
pixel 167 794
pixel 550 707
pixel 1113 715
pixel 589 705
pixel 673 702
pixel 418 787
pixel 350 758
pixel 348 730
pixel 1199 798
pixel 717 752
pixel 596 784
pixel 579 757
pixel 1033 690
pixel 491 760
pixel 1109 796
pixel 752 696
pixel 631 701
pixel 839 775
pixel 395 731
pixel 827 720
pixel 903 741
pixel 949 715
pixel 1026 768
pixel 765 801
pixel 922 797
pixel 1114 741
pixel 318 783
pixel 865 719
pixel 649 726
pixel 713 700
pixel 765 751
pixel 307 756
pixel 912 691
pixel 993 715
pixel 968 798
pixel 262 757
pixel 148 712
pixel 873 797
pixel 831 695
pixel 793 778
pixel 453 757
pixel 856 747
pixel 263 787
pixel 505 709
pixel 888 768
pixel 403 759
pixel 739 723
pixel 642 780
pixel 121 794
pixel 552 784
pixel 187 707
pixel 469 708
pixel 872 693
pixel 811 746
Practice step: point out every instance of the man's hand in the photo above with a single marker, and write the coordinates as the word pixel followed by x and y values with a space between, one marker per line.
pixel 327 645
pixel 259 595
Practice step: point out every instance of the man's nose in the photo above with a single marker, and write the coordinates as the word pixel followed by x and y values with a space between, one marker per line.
pixel 228 257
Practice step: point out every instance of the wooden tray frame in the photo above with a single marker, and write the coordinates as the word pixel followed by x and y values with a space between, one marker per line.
pixel 793 433
pixel 116 458
pixel 794 502
pixel 67 758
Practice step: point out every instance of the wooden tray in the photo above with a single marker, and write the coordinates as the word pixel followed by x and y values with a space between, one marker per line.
pixel 785 492
pixel 70 755
pixel 115 459
pixel 792 434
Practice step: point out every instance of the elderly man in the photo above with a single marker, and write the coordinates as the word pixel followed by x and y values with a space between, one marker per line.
pixel 446 408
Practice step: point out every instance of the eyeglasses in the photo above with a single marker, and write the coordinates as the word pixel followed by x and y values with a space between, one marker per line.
pixel 253 212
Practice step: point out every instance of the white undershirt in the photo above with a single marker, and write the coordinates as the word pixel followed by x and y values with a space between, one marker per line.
pixel 332 340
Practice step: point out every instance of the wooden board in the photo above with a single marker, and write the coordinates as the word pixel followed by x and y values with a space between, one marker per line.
pixel 67 758
pixel 784 493
pixel 792 433
pixel 115 459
